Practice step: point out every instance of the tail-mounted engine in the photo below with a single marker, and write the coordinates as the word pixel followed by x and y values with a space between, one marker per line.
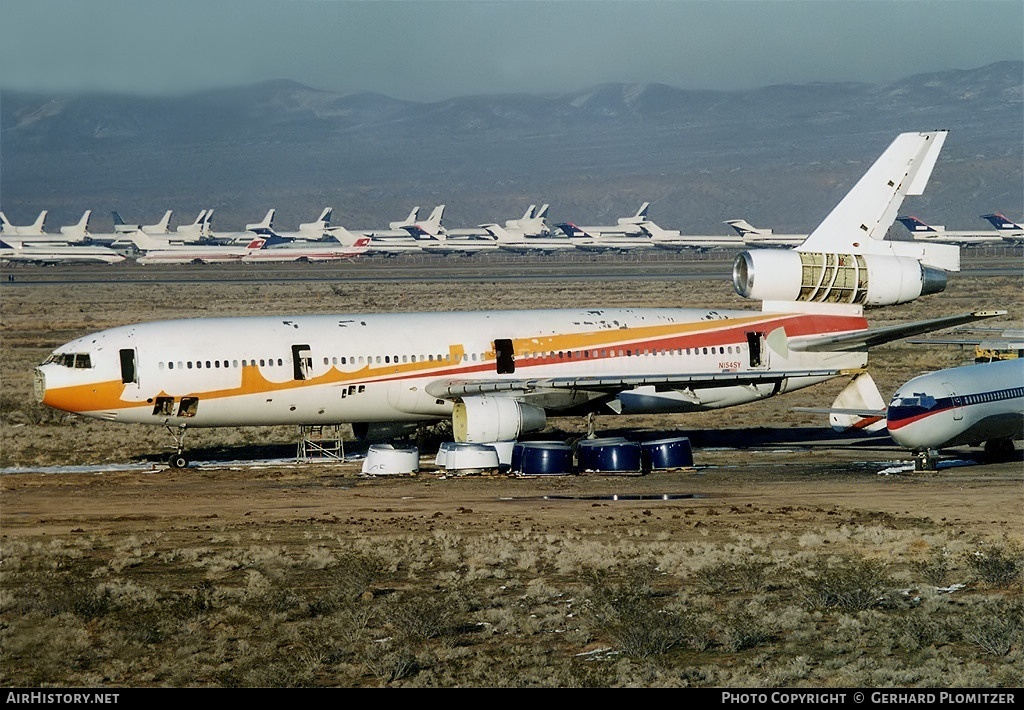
pixel 482 420
pixel 864 279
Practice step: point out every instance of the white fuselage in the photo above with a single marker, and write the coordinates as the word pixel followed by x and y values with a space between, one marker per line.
pixel 961 405
pixel 323 369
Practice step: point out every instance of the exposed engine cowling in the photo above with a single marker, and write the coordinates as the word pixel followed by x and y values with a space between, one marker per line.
pixel 864 279
pixel 482 420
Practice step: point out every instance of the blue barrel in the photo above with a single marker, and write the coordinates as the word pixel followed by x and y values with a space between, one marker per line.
pixel 667 453
pixel 542 458
pixel 609 455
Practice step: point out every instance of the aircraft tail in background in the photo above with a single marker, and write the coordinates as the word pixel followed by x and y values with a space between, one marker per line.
pixel 78 232
pixel 266 223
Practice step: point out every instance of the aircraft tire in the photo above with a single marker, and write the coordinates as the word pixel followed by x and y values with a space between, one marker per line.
pixel 178 461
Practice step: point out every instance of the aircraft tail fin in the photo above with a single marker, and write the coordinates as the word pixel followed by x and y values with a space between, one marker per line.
pixel 499 233
pixel 266 223
pixel 146 242
pixel 120 225
pixel 79 230
pixel 322 223
pixel 744 228
pixel 859 407
pixel 867 211
pixel 1001 223
pixel 39 226
pixel 431 228
pixel 642 212
pixel 161 227
pixel 194 231
pixel 915 225
pixel 542 212
pixel 5 223
pixel 411 219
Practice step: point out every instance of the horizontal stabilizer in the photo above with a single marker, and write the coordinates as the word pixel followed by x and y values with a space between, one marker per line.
pixel 863 339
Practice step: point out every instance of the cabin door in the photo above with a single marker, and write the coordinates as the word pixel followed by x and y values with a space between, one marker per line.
pixel 504 356
pixel 957 401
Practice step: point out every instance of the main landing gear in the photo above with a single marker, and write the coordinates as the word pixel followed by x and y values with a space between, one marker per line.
pixel 178 459
pixel 926 460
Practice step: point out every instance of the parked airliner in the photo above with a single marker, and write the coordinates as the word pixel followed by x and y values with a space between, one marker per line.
pixel 967 405
pixel 926 232
pixel 755 236
pixel 673 240
pixel 1006 228
pixel 161 227
pixel 498 374
pixel 156 251
pixel 57 253
pixel 337 249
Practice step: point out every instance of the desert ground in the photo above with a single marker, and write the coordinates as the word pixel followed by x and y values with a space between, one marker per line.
pixel 779 559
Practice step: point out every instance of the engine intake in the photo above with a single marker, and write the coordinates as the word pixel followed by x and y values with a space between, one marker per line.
pixel 483 420
pixel 821 277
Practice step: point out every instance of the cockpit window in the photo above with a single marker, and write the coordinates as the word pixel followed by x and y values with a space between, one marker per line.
pixel 918 400
pixel 79 361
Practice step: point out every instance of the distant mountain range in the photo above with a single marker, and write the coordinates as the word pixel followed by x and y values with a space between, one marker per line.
pixel 779 156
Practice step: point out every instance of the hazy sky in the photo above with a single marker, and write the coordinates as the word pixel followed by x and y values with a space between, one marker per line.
pixel 434 49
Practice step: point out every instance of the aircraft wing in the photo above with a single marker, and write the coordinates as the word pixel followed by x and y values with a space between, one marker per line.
pixel 871 337
pixel 456 388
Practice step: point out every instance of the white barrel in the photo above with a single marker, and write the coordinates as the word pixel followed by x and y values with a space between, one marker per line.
pixel 386 460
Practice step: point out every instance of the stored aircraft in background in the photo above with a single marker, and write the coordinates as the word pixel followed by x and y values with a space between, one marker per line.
pixel 161 227
pixel 926 232
pixel 673 240
pixel 79 232
pixel 604 241
pixel 759 236
pixel 36 228
pixel 153 250
pixel 1006 228
pixel 624 226
pixel 499 374
pixel 406 236
pixel 515 239
pixel 533 223
pixel 36 235
pixel 311 231
pixel 312 251
pixel 15 251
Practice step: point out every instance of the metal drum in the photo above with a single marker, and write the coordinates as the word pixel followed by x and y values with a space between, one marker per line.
pixel 542 458
pixel 609 455
pixel 670 453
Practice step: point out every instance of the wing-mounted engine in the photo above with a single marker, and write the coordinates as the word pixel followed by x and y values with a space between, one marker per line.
pixel 821 277
pixel 481 420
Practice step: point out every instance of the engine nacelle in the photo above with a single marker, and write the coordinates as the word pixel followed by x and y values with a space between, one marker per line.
pixel 483 420
pixel 864 279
